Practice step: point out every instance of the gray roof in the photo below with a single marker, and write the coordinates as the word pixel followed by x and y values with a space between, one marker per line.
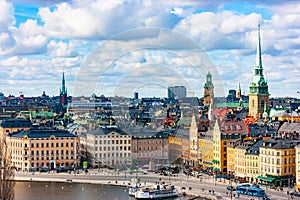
pixel 288 127
pixel 105 131
pixel 279 143
pixel 41 133
pixel 258 130
pixel 254 149
pixel 16 123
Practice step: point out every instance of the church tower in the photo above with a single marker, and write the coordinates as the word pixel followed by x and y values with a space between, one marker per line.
pixel 208 90
pixel 239 92
pixel 63 95
pixel 259 95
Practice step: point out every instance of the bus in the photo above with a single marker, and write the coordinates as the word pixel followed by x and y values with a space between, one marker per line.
pixel 251 191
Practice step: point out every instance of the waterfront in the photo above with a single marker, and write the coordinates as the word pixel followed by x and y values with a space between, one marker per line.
pixel 112 185
pixel 66 191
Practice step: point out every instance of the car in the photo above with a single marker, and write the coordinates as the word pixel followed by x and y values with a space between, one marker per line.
pixel 230 188
pixel 44 169
pixel 61 169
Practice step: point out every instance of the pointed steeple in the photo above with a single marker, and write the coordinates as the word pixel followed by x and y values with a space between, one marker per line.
pixel 258 51
pixel 63 89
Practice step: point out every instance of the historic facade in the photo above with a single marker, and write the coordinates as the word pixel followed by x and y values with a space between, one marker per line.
pixel 36 149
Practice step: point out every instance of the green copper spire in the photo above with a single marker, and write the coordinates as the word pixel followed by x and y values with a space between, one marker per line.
pixel 258 51
pixel 258 84
pixel 208 83
pixel 63 87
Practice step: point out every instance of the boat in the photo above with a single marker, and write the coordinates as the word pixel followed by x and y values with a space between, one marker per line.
pixel 133 189
pixel 160 192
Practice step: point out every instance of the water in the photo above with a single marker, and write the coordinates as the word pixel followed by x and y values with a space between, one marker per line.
pixel 67 191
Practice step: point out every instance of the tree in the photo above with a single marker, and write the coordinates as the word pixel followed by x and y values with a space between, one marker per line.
pixel 6 174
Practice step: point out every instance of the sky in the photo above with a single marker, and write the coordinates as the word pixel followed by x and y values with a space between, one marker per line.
pixel 124 46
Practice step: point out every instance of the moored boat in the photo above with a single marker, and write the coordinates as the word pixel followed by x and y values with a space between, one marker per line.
pixel 160 192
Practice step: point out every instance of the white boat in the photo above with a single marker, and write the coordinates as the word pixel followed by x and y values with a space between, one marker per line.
pixel 161 192
pixel 133 189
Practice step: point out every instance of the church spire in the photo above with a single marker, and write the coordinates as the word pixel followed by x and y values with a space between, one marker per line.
pixel 63 85
pixel 258 50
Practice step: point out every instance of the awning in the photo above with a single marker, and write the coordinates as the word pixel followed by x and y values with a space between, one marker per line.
pixel 207 162
pixel 240 175
pixel 264 178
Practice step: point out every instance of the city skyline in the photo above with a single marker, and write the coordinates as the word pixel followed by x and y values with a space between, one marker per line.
pixel 122 47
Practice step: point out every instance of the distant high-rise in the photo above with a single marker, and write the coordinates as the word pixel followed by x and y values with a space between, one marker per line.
pixel 259 95
pixel 176 92
pixel 208 90
pixel 136 95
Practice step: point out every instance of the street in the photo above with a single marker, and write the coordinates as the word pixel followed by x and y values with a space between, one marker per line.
pixel 204 185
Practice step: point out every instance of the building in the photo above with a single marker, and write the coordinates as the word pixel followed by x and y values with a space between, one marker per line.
pixel 11 125
pixel 206 150
pixel 178 150
pixel 277 161
pixel 231 156
pixel 253 162
pixel 150 147
pixel 36 149
pixel 176 92
pixel 290 130
pixel 240 160
pixel 108 146
pixel 259 95
pixel 225 132
pixel 208 90
pixel 194 156
pixel 298 167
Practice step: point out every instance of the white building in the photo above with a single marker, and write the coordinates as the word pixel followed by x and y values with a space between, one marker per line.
pixel 108 146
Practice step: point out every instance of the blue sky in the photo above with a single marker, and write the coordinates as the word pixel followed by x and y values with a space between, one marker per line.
pixel 123 46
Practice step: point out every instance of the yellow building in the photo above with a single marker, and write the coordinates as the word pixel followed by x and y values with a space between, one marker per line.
pixel 231 157
pixel 277 162
pixel 224 132
pixel 240 160
pixel 298 167
pixel 206 151
pixel 13 124
pixel 36 149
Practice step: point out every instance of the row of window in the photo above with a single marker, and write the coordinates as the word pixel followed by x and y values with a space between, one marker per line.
pixel 52 158
pixel 112 142
pixel 270 152
pixel 125 148
pixel 268 169
pixel 42 145
pixel 107 155
pixel 278 160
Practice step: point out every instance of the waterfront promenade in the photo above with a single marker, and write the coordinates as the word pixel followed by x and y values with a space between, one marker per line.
pixel 205 186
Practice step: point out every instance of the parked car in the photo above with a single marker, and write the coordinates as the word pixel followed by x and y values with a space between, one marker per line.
pixel 44 169
pixel 61 169
pixel 230 188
